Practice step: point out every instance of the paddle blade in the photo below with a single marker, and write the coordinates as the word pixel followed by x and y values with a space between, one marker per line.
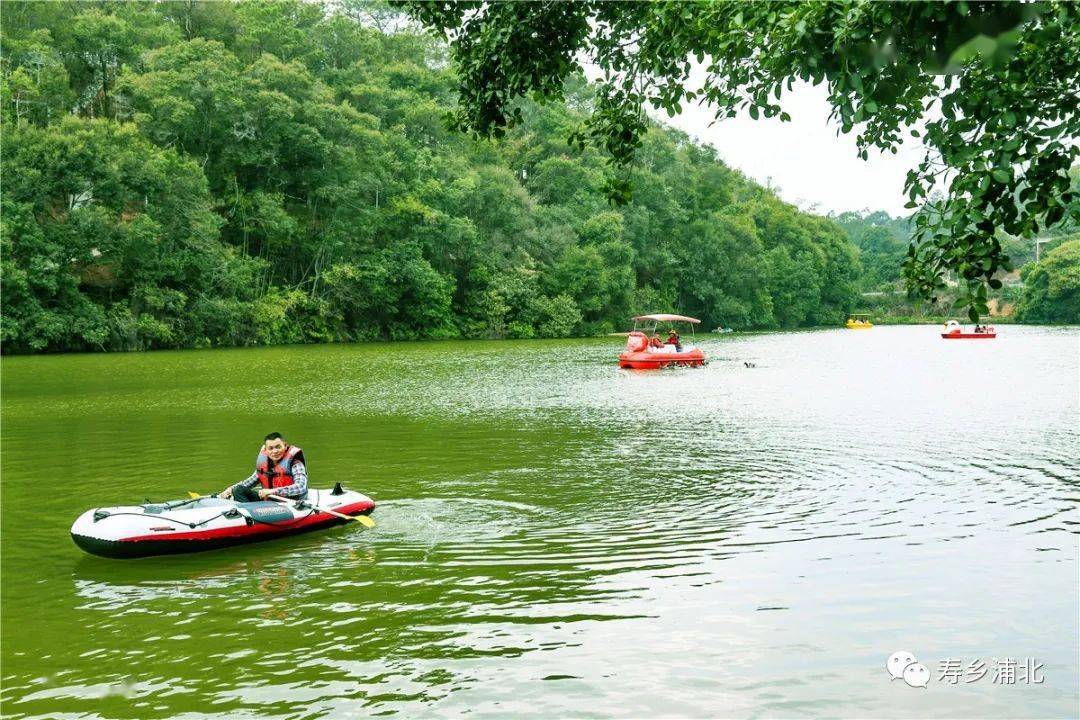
pixel 365 521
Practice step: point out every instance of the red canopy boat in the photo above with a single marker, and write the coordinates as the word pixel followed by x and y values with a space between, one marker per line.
pixel 953 331
pixel 647 351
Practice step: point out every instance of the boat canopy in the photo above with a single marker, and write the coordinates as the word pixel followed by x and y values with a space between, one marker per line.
pixel 665 317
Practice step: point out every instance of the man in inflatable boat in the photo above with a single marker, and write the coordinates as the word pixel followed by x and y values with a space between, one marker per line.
pixel 279 469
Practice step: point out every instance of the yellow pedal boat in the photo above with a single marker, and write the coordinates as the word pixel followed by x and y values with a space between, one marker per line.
pixel 859 321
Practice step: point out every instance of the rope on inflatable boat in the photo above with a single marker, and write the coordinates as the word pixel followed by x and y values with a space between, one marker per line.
pixel 293 521
pixel 169 519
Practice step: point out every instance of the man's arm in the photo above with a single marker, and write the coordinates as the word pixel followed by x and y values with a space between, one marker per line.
pixel 248 482
pixel 299 485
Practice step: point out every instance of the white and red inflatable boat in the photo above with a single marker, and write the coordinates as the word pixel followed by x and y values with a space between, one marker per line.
pixel 208 523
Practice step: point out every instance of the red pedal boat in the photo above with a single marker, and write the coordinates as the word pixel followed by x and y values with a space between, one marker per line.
pixel 953 331
pixel 646 351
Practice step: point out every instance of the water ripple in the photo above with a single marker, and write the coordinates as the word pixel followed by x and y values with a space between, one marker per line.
pixel 554 535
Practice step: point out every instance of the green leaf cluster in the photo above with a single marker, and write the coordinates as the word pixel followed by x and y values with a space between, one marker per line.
pixel 990 89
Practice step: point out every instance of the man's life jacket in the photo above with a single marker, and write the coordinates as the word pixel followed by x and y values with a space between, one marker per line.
pixel 279 474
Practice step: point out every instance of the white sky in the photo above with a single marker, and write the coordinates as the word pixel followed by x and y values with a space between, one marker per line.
pixel 805 160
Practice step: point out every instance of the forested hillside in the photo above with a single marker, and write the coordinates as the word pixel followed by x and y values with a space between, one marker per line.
pixel 1043 291
pixel 194 174
pixel 882 241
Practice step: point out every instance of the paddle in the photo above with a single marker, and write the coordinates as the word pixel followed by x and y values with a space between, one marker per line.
pixel 362 519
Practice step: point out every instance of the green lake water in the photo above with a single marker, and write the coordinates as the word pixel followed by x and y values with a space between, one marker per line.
pixel 555 536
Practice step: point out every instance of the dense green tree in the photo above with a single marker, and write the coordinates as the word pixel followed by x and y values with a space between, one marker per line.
pixel 729 282
pixel 1052 287
pixel 107 239
pixel 34 84
pixel 882 244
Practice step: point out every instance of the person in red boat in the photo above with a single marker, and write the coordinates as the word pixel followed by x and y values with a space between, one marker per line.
pixel 655 341
pixel 673 339
pixel 280 469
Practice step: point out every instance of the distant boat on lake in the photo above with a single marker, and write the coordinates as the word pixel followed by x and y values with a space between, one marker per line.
pixel 645 350
pixel 955 331
pixel 859 321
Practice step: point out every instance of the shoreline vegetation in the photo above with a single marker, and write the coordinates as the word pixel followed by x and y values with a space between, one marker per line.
pixel 616 346
pixel 194 175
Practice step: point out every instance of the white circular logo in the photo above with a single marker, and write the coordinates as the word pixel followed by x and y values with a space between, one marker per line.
pixel 916 675
pixel 897 662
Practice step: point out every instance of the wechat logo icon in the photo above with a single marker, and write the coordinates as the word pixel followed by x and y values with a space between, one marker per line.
pixel 902 665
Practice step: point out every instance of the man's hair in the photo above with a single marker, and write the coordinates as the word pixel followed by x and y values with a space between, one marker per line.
pixel 273 436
